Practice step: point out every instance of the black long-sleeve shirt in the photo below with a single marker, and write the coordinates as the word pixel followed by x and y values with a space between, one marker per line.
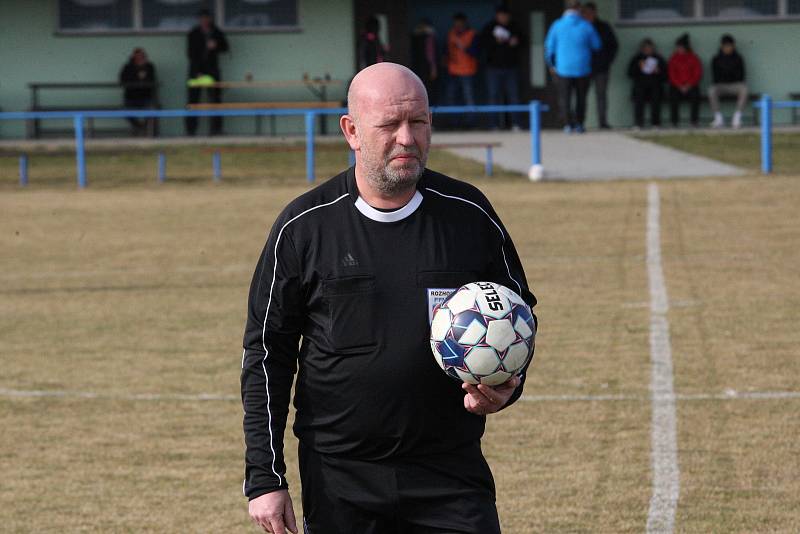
pixel 727 68
pixel 352 283
pixel 132 76
pixel 203 60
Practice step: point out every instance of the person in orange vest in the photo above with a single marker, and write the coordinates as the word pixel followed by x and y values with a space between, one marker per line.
pixel 462 64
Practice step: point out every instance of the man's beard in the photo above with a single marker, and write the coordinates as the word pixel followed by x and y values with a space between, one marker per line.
pixel 389 180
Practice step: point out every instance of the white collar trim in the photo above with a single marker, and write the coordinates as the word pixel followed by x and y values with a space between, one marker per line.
pixel 389 216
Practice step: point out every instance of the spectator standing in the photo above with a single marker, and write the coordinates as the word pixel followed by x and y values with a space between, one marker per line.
pixel 204 44
pixel 569 46
pixel 424 56
pixel 648 70
pixel 462 64
pixel 370 48
pixel 138 78
pixel 502 41
pixel 727 72
pixel 601 61
pixel 685 72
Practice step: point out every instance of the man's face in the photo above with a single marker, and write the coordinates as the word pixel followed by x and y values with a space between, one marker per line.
pixel 394 132
pixel 589 14
pixel 728 48
pixel 503 18
pixel 459 25
pixel 647 50
pixel 205 22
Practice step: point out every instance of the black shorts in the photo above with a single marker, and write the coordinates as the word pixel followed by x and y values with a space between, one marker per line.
pixel 448 493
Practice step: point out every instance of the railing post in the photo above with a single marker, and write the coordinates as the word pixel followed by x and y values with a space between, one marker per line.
pixel 216 162
pixel 489 164
pixel 80 150
pixel 23 170
pixel 766 134
pixel 310 146
pixel 162 167
pixel 536 171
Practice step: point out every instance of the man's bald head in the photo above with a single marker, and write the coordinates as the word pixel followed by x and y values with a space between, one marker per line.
pixel 382 83
pixel 389 128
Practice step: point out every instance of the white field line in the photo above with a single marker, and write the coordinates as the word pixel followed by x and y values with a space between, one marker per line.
pixel 726 395
pixel 664 441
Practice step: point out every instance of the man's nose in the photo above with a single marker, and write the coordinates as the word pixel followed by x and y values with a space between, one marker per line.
pixel 405 136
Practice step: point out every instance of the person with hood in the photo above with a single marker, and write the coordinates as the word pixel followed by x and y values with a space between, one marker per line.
pixel 601 61
pixel 423 56
pixel 205 43
pixel 685 72
pixel 502 41
pixel 568 49
pixel 648 70
pixel 727 72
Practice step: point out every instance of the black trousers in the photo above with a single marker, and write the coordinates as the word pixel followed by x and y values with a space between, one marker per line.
pixel 449 493
pixel 214 96
pixel 567 86
pixel 647 93
pixel 675 98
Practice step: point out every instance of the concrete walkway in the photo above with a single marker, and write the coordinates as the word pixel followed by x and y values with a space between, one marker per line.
pixel 591 156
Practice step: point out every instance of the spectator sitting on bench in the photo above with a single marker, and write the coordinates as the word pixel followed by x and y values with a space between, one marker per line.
pixel 685 72
pixel 648 70
pixel 136 72
pixel 727 70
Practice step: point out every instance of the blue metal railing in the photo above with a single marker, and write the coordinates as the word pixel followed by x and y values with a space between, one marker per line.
pixel 78 118
pixel 766 106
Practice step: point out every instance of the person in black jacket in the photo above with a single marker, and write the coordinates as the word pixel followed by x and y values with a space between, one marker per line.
pixel 204 44
pixel 138 78
pixel 388 442
pixel 370 48
pixel 648 70
pixel 727 72
pixel 503 43
pixel 601 61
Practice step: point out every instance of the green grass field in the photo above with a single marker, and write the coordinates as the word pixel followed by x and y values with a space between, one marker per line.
pixel 121 316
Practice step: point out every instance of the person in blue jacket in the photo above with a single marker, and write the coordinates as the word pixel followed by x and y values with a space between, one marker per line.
pixel 568 47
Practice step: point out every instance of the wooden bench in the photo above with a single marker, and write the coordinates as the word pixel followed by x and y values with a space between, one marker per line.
pixel 307 104
pixel 34 129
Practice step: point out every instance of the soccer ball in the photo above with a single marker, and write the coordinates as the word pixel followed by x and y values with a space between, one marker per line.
pixel 483 333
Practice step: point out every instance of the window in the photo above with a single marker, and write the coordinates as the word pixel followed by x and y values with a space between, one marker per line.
pixel 260 13
pixel 654 11
pixel 170 14
pixel 95 15
pixel 739 9
pixel 108 16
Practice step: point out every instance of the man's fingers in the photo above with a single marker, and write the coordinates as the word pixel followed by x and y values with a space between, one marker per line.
pixel 277 526
pixel 288 515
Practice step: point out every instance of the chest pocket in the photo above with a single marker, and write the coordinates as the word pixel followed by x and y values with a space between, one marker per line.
pixel 352 306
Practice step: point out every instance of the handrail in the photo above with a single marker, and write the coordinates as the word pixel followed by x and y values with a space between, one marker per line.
pixel 534 108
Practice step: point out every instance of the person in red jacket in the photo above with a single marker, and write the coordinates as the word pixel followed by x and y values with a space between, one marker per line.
pixel 685 71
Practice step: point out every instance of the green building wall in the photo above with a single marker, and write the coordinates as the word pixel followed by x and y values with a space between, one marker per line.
pixel 31 51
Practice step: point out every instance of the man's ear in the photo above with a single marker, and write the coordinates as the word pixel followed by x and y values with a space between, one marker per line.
pixel 348 126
